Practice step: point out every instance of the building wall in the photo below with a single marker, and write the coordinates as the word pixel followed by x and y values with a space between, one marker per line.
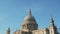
pixel 42 31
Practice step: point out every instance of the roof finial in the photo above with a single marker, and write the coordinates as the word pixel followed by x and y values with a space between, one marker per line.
pixel 51 17
pixel 51 20
pixel 8 30
pixel 29 11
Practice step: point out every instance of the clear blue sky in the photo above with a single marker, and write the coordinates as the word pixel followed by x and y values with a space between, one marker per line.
pixel 13 12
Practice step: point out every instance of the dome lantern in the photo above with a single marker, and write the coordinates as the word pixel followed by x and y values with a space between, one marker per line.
pixel 29 12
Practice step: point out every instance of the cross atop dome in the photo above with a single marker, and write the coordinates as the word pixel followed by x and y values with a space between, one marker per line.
pixel 29 12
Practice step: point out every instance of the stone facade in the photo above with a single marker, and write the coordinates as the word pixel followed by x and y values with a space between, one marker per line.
pixel 30 26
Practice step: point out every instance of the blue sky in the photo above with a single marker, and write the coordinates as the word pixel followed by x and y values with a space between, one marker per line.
pixel 13 12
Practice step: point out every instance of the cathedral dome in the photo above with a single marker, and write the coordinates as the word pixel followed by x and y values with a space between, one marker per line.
pixel 29 23
pixel 29 17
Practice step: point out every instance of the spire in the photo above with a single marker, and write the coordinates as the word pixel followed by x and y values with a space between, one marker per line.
pixel 51 21
pixel 29 12
pixel 8 30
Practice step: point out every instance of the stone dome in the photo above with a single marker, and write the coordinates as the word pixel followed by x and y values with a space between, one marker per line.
pixel 29 17
pixel 29 23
